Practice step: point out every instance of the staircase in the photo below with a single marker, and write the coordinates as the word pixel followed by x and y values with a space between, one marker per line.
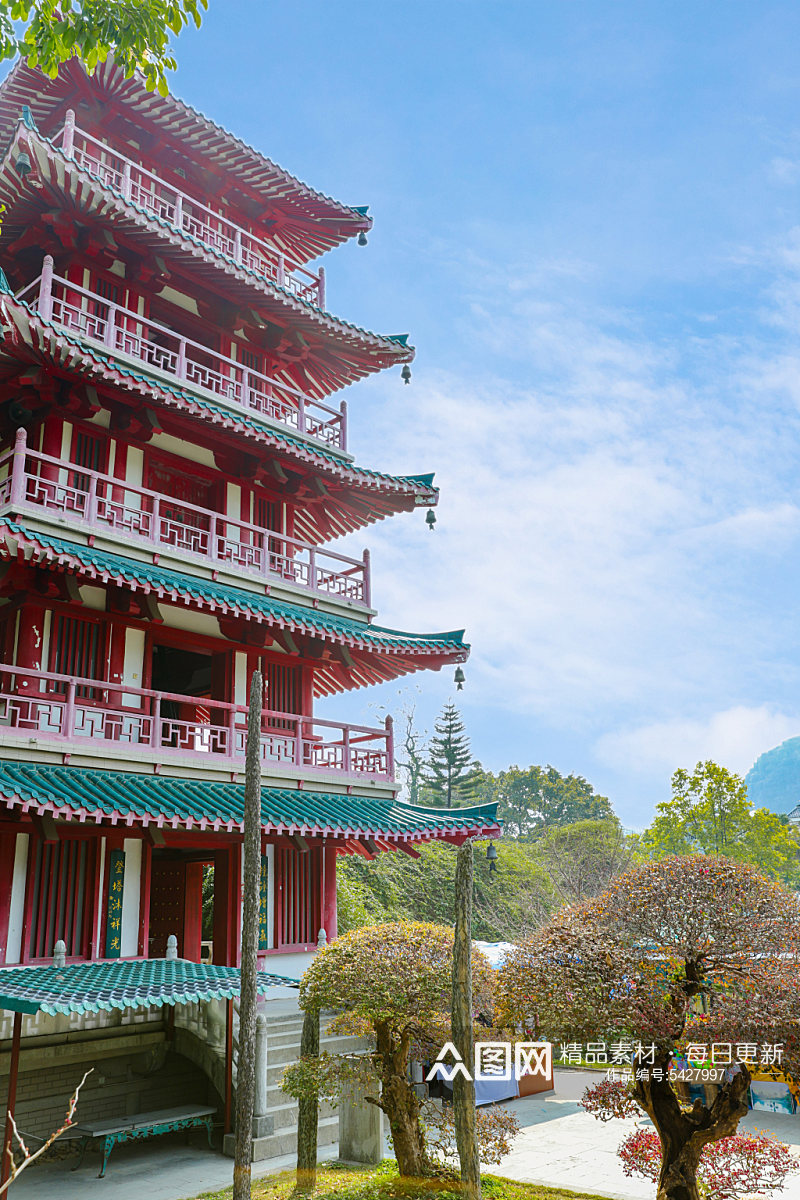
pixel 284 1029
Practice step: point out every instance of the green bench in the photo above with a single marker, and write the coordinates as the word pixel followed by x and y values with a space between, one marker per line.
pixel 139 1126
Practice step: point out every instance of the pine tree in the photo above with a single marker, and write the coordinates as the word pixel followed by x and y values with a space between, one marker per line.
pixel 451 774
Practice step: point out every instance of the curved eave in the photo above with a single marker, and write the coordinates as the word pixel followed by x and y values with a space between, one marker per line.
pixel 340 352
pixel 374 654
pixel 122 798
pixel 361 496
pixel 318 222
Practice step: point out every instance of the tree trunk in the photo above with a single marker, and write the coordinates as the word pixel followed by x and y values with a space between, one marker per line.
pixel 463 1032
pixel 684 1133
pixel 245 1078
pixel 401 1106
pixel 308 1109
pixel 677 1179
pixel 400 1103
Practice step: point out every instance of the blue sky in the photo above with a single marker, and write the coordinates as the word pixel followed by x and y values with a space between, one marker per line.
pixel 587 216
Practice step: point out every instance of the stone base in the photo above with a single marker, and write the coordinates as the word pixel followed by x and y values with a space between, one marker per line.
pixel 361 1132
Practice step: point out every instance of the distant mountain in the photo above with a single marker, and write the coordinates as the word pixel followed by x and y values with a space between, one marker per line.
pixel 774 779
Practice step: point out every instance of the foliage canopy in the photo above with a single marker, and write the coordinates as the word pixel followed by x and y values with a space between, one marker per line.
pixel 687 950
pixel 710 812
pixel 47 33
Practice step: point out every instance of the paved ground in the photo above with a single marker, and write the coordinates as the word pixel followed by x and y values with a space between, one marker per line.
pixel 563 1146
pixel 559 1145
pixel 164 1169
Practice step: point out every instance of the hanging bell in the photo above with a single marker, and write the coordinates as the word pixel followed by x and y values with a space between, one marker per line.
pixel 430 519
pixel 23 165
pixel 405 374
pixel 491 854
pixel 362 238
pixel 458 679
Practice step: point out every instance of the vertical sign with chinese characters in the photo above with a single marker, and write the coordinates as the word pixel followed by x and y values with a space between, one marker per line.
pixel 263 905
pixel 116 882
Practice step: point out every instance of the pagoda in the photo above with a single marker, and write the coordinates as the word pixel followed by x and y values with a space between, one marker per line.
pixel 174 471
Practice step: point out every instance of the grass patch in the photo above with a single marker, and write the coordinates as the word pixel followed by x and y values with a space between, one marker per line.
pixel 337 1182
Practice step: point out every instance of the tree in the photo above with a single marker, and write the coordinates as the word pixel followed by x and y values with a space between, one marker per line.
pixel 413 765
pixel 451 774
pixel 13 1167
pixel 583 858
pixel 689 950
pixel 394 982
pixel 248 986
pixel 509 903
pixel 136 32
pixel 534 798
pixel 744 1165
pixel 710 811
pixel 462 1017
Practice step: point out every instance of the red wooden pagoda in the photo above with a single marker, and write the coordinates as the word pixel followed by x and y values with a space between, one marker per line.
pixel 174 467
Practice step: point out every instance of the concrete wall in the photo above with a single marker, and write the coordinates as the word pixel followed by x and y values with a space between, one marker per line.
pixel 135 1071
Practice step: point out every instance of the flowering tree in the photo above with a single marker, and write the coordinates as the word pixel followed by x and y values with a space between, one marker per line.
pixel 686 951
pixel 393 982
pixel 744 1165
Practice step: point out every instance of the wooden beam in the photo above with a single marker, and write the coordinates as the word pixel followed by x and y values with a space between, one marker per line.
pixel 408 849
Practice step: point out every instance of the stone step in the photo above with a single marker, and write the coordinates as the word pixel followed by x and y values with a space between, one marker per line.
pixel 282 1055
pixel 284 1116
pixel 278 1144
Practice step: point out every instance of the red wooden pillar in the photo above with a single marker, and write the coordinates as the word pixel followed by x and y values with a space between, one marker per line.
pixel 11 1100
pixel 193 913
pixel 329 919
pixel 227 906
pixel 143 948
pixel 52 441
pixel 30 644
pixel 8 848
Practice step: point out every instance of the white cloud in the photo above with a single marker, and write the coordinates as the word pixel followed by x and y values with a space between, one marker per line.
pixel 593 504
pixel 618 528
pixel 734 738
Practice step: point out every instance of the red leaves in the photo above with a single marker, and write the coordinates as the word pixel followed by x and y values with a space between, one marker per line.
pixel 743 1165
pixel 609 1100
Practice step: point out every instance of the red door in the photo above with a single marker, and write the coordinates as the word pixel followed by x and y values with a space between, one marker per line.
pixel 167 906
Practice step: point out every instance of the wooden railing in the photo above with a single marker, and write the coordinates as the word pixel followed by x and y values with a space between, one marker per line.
pixel 108 505
pixel 63 709
pixel 158 346
pixel 136 184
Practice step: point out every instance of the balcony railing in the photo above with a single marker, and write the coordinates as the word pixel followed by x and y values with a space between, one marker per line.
pixel 140 186
pixel 62 709
pixel 108 505
pixel 158 346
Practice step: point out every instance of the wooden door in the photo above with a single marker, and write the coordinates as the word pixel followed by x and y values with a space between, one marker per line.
pixel 167 906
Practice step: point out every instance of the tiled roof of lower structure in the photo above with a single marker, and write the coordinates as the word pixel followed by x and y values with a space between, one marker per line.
pixel 45 550
pixel 125 798
pixel 95 987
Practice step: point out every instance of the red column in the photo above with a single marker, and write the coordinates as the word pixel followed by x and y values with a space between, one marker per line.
pixel 30 644
pixel 227 906
pixel 144 899
pixel 52 440
pixel 193 912
pixel 8 847
pixel 329 920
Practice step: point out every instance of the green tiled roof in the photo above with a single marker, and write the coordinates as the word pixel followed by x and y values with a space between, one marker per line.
pixel 214 594
pixel 103 986
pixel 123 796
